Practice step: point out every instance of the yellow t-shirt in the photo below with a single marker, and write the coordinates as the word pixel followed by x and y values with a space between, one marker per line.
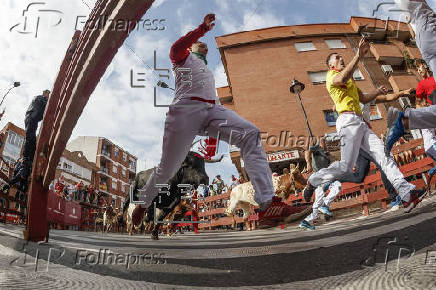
pixel 346 98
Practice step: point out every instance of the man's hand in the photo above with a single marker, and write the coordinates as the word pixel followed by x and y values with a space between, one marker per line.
pixel 408 91
pixel 209 21
pixel 363 47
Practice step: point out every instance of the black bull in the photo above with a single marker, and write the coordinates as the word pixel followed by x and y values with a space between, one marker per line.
pixel 191 172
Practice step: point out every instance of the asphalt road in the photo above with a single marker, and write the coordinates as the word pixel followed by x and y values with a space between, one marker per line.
pixel 360 253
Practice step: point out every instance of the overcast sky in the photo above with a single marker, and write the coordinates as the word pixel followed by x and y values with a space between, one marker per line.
pixel 116 111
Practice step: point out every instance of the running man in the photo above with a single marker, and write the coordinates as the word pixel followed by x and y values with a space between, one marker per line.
pixel 196 110
pixel 321 203
pixel 355 133
pixel 423 23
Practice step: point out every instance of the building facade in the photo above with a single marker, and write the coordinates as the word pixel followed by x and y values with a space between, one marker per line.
pixel 73 167
pixel 116 167
pixel 12 140
pixel 261 64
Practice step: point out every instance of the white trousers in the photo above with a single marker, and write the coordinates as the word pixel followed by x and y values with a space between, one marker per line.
pixel 422 118
pixel 188 118
pixel 355 135
pixel 320 200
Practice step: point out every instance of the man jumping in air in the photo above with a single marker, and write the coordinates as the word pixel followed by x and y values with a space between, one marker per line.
pixel 355 133
pixel 196 110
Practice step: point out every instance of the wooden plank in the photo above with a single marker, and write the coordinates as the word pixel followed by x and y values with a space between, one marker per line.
pixel 219 210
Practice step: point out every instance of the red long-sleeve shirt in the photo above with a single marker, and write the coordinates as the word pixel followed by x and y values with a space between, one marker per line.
pixel 179 50
pixel 425 88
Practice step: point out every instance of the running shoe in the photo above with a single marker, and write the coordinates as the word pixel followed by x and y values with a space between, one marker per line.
pixel 325 210
pixel 276 210
pixel 415 197
pixel 306 225
pixel 395 205
pixel 395 129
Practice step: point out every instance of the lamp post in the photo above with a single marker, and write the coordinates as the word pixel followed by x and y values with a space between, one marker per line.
pixel 16 84
pixel 164 85
pixel 296 88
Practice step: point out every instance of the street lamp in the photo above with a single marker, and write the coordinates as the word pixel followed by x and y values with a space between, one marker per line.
pixel 296 88
pixel 16 84
pixel 164 85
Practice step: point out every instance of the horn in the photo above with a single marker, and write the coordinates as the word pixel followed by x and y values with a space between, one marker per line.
pixel 214 160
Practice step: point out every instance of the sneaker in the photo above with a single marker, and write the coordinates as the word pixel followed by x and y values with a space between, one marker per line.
pixel 276 210
pixel 395 205
pixel 306 225
pixel 415 197
pixel 325 210
pixel 395 129
pixel 308 192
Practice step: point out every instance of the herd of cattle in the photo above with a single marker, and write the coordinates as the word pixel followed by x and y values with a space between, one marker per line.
pixel 170 207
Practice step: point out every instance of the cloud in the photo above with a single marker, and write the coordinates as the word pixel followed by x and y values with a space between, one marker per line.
pixel 220 76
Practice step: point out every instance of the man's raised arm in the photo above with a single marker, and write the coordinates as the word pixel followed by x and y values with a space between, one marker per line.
pixel 179 50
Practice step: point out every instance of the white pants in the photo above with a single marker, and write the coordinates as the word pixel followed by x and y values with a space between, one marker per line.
pixel 320 200
pixel 422 118
pixel 188 118
pixel 355 135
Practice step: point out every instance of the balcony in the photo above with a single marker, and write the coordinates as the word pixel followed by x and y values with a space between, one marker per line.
pixel 387 53
pixel 403 81
pixel 105 153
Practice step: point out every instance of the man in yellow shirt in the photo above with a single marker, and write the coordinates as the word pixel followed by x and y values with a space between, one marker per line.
pixel 355 133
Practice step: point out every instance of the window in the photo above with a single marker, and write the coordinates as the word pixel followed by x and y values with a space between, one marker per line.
pixel 374 113
pixel 123 171
pixel 13 146
pixel 114 184
pixel 304 46
pixel 357 75
pixel 115 168
pixel 330 117
pixel 116 152
pixel 132 165
pixel 124 156
pixel 335 43
pixel 318 77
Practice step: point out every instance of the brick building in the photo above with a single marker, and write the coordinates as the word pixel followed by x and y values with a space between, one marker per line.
pixel 116 167
pixel 12 140
pixel 261 64
pixel 74 167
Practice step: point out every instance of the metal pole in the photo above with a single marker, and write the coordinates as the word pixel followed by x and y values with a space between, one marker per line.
pixel 305 116
pixel 6 95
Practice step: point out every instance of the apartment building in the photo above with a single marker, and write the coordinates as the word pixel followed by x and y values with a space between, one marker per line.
pixel 116 168
pixel 261 64
pixel 12 140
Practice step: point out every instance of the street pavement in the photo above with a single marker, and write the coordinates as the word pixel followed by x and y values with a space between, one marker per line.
pixel 387 250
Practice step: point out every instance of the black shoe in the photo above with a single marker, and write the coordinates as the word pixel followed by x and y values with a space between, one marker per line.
pixel 308 192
